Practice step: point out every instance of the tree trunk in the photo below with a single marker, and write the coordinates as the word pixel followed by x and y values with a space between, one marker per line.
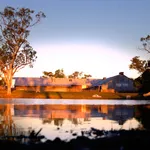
pixel 9 83
pixel 8 90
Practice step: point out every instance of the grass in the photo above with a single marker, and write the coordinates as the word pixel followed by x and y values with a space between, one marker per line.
pixel 67 95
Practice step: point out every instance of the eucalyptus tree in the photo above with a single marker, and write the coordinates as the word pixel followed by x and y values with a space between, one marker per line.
pixel 75 75
pixel 137 63
pixel 47 74
pixel 146 43
pixel 142 83
pixel 15 50
pixel 86 76
pixel 59 73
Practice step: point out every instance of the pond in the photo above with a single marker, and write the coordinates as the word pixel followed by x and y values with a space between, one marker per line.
pixel 68 119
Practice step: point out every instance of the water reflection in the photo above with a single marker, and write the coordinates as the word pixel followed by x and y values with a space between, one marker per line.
pixel 67 121
pixel 7 126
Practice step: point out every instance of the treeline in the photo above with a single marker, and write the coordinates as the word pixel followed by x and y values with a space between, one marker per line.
pixel 59 73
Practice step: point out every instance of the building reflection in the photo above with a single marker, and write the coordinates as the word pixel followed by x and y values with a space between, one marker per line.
pixel 71 112
pixel 76 114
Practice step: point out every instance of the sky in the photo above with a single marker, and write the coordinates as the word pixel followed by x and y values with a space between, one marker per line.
pixel 97 37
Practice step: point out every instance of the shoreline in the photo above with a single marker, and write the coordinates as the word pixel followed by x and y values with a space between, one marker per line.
pixel 71 95
pixel 126 140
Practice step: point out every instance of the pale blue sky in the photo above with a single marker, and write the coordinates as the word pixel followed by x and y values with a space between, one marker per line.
pixel 98 37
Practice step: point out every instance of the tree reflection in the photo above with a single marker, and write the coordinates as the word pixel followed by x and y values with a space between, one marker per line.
pixel 49 120
pixel 143 112
pixel 7 125
pixel 75 121
pixel 58 121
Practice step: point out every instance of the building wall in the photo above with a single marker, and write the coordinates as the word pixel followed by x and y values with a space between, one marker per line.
pixel 77 88
pixel 105 88
pixel 119 83
pixel 123 84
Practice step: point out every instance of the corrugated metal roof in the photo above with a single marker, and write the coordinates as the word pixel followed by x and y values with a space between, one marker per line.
pixel 104 81
pixel 94 81
pixel 25 81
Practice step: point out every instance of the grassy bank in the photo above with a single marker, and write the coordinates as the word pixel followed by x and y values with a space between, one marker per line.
pixel 68 95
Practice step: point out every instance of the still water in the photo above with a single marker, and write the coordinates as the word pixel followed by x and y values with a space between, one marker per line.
pixel 67 118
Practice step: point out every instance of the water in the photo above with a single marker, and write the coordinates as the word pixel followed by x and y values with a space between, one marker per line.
pixel 26 101
pixel 68 119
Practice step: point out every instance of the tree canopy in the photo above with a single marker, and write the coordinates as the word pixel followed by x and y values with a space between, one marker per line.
pixel 75 75
pixel 87 76
pixel 47 74
pixel 15 50
pixel 137 63
pixel 146 43
pixel 59 73
pixel 142 83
